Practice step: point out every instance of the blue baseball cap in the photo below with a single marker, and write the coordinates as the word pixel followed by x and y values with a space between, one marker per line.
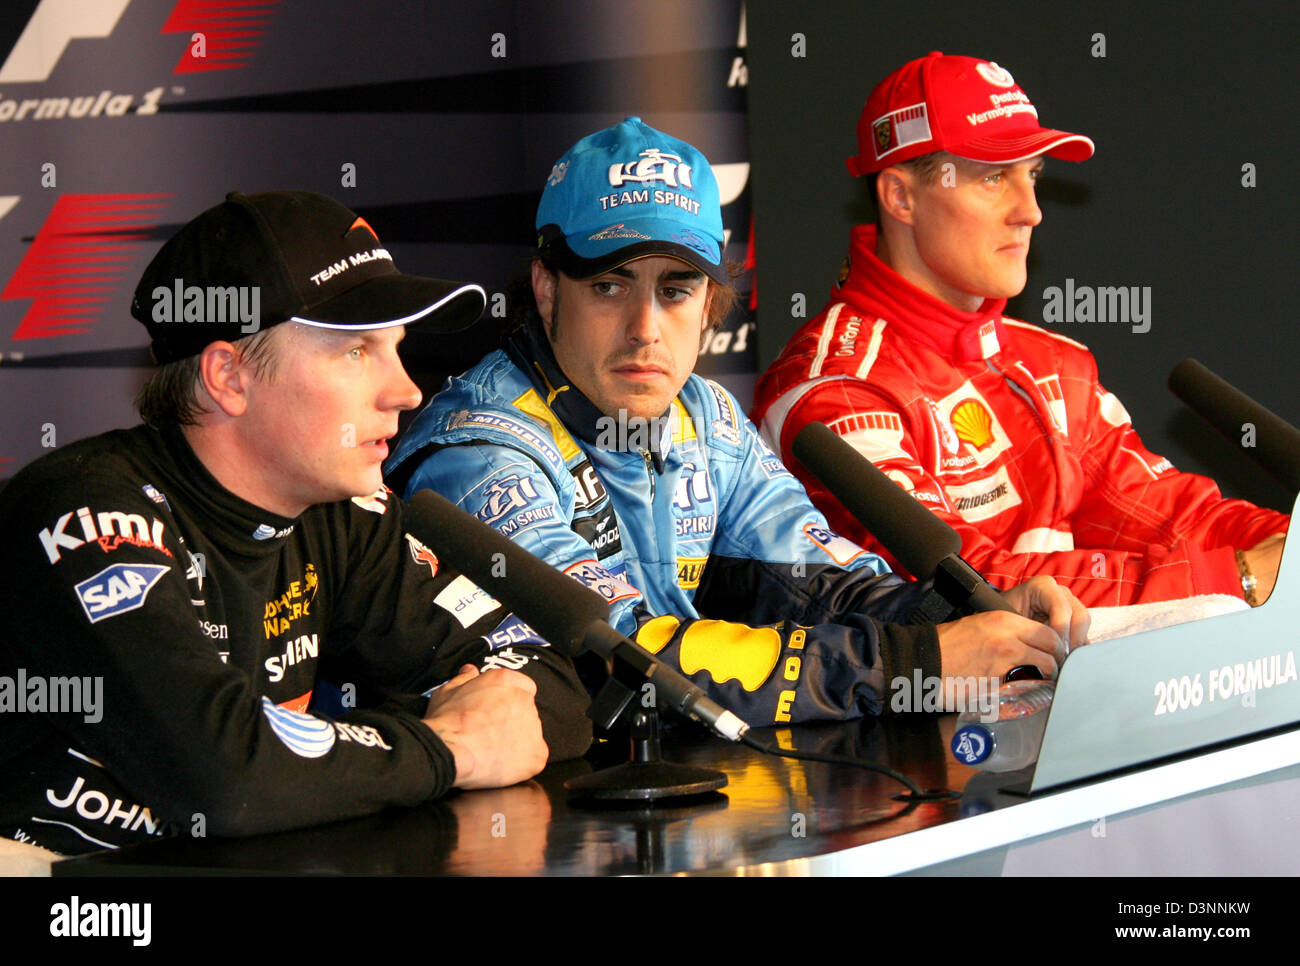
pixel 627 192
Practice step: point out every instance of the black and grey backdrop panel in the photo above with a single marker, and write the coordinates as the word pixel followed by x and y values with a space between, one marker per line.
pixel 1185 96
pixel 437 121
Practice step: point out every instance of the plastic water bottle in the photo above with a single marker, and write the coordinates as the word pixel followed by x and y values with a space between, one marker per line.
pixel 1012 741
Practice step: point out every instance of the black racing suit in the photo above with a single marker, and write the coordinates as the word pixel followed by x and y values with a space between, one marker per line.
pixel 161 641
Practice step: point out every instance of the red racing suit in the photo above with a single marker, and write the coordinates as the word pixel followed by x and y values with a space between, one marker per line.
pixel 1002 429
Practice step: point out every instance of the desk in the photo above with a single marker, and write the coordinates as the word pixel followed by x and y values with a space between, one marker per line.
pixel 1232 810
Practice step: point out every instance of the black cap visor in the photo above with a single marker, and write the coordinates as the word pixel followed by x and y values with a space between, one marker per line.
pixel 389 300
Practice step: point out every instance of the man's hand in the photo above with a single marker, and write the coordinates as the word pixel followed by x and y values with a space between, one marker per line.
pixel 489 721
pixel 1043 599
pixel 1263 560
pixel 989 645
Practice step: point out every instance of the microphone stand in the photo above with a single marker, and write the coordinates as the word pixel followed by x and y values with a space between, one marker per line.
pixel 646 777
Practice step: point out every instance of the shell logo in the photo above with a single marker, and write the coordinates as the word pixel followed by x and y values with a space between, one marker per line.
pixel 973 424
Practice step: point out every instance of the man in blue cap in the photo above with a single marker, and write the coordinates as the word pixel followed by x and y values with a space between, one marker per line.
pixel 588 440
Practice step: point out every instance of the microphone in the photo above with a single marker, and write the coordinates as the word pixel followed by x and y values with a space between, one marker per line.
pixel 562 610
pixel 1277 442
pixel 923 543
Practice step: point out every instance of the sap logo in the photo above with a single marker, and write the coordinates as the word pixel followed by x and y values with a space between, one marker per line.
pixel 588 490
pixel 504 496
pixel 54 24
pixel 653 165
pixel 692 488
pixel 114 528
pixel 117 589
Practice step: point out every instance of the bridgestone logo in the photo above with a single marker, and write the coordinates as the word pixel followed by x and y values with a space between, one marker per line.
pixel 971 502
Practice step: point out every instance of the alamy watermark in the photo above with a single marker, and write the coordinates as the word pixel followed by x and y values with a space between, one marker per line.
pixel 919 693
pixel 37 694
pixel 209 305
pixel 1106 304
pixel 627 433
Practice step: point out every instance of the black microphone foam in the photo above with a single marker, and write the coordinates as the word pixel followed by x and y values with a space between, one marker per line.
pixel 556 606
pixel 913 534
pixel 1276 442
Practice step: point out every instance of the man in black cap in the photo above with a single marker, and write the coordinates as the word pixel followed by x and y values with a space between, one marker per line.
pixel 175 593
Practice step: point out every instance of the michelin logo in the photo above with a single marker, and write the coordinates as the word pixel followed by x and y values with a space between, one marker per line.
pixel 117 589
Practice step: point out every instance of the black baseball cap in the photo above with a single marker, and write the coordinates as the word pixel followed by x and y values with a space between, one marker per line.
pixel 293 256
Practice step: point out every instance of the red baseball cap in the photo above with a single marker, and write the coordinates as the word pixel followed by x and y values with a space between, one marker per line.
pixel 963 105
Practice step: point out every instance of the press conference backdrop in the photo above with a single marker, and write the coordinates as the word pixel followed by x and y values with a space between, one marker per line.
pixel 438 121
pixel 1191 198
pixel 121 119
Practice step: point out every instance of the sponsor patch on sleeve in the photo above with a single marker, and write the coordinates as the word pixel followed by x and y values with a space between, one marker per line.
pixel 530 434
pixel 422 554
pixel 839 549
pixel 876 435
pixel 984 498
pixel 465 600
pixel 689 570
pixel 512 630
pixel 117 589
pixel 769 462
pixel 512 504
pixel 600 580
pixel 305 735
pixel 727 427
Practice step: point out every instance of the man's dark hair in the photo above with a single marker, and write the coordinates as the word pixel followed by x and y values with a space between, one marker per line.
pixel 170 397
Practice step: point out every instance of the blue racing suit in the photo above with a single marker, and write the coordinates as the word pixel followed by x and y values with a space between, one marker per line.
pixel 706 547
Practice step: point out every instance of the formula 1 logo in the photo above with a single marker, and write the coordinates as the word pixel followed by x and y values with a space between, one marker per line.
pixel 117 589
pixel 54 25
pixel 88 243
pixel 221 34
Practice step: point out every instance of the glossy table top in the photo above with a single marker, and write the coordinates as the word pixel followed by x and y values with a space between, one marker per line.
pixel 771 812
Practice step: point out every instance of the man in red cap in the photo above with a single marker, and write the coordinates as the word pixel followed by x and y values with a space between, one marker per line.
pixel 175 594
pixel 999 427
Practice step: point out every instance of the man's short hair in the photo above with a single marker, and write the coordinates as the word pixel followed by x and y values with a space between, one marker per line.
pixel 170 397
